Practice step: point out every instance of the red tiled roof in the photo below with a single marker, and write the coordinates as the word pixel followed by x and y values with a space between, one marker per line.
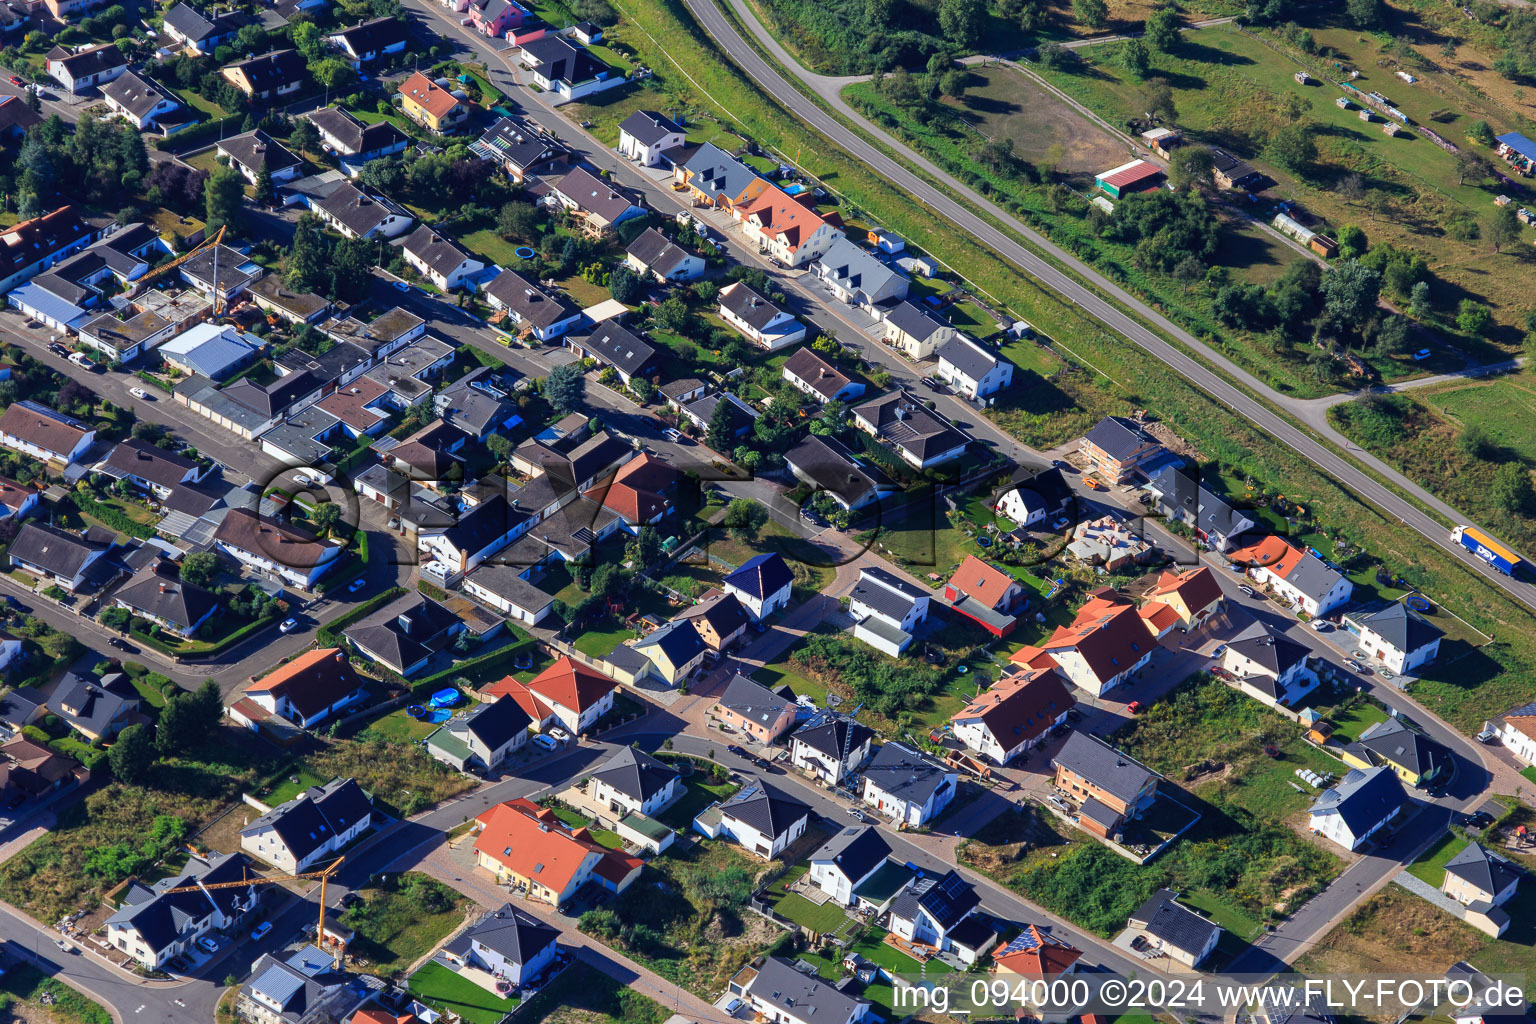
pixel 1160 616
pixel 636 490
pixel 1035 954
pixel 534 706
pixel 777 213
pixel 428 95
pixel 531 841
pixel 981 581
pixel 1107 632
pixel 571 685
pixel 1020 706
pixel 1271 552
pixel 1198 587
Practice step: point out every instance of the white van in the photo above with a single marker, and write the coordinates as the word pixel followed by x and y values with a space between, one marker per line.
pixel 79 360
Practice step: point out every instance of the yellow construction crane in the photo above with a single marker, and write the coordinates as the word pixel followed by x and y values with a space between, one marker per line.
pixel 165 268
pixel 324 875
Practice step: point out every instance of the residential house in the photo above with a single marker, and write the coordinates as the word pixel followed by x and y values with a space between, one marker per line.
pixel 173 605
pixel 634 782
pixel 318 824
pixel 1174 930
pixel 674 650
pixel 936 911
pixel 1117 447
pixel 761 819
pixel 210 351
pixel 545 315
pixel 720 620
pixel 1186 598
pixel 566 69
pixel 986 595
pixel 779 992
pixel 922 437
pixel 752 709
pixel 357 214
pixel 645 135
pixel 521 148
pixel 505 947
pixel 122 336
pixel 97 709
pixel 495 18
pixel 153 469
pixel 858 277
pixel 482 738
pixel 972 370
pixel 715 178
pixel 848 860
pixel 1232 173
pixel 141 101
pixel 641 492
pixel 886 610
pixel 506 589
pixel 304 691
pixel 295 556
pixel 907 786
pixel 16 501
pixel 354 142
pixel 79 70
pixel 153 924
pixel 1108 787
pixel 439 258
pixel 1364 802
pixel 611 344
pixel 827 465
pixel 220 271
pixel 809 372
pixel 1110 542
pixel 566 694
pixel 762 584
pixel 1415 758
pixel 786 227
pixel 740 417
pixel 475 535
pixel 430 105
pixel 830 747
pixel 370 41
pixel 16 118
pixel 1181 496
pixel 528 847
pixel 1516 730
pixel 678 393
pixel 1103 647
pixel 404 639
pixel 308 987
pixel 1396 636
pixel 360 408
pixel 759 319
pixel 915 331
pixel 1481 881
pixel 598 201
pixel 61 559
pixel 199 34
pixel 1270 667
pixel 653 254
pixel 1014 715
pixel 478 404
pixel 1036 954
pixel 29 770
pixel 269 76
pixel 31 246
pixel 1299 577
pixel 36 430
pixel 253 151
pixel 19 707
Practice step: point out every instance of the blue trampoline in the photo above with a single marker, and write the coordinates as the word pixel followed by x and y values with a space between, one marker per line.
pixel 524 252
pixel 1418 603
pixel 983 542
pixel 446 698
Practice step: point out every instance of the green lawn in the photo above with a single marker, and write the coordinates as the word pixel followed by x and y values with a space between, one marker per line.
pixel 486 242
pixel 397 925
pixel 296 781
pixel 598 642
pixel 443 990
pixel 399 727
pixel 1348 725
pixel 1234 920
pixel 698 793
pixel 872 946
pixel 582 994
pixel 1529 772
pixel 1430 867
pixel 826 919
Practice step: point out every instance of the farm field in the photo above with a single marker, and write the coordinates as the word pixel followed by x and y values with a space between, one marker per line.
pixel 1004 104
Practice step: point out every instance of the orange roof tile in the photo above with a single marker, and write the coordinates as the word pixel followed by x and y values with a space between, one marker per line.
pixel 1036 953
pixel 565 683
pixel 1198 587
pixel 534 706
pixel 1020 706
pixel 775 212
pixel 1270 552
pixel 636 490
pixel 981 581
pixel 312 682
pixel 428 95
pixel 532 842
pixel 1159 616
pixel 1106 632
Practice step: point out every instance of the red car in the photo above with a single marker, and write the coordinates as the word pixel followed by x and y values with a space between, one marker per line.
pixel 15 80
pixel 1134 707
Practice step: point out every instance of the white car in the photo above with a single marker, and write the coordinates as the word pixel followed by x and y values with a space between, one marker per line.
pixel 672 434
pixel 1247 590
pixel 559 734
pixel 303 479
pixel 548 743
pixel 208 944
pixel 1321 625
pixel 1061 523
pixel 139 393
pixel 288 626
pixel 732 1007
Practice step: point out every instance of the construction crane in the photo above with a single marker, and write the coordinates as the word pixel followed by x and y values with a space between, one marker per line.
pixel 324 875
pixel 165 268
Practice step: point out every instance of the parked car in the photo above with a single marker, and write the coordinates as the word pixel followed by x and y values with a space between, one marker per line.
pixel 122 645
pixel 288 626
pixel 733 1006
pixel 672 434
pixel 139 393
pixel 1061 523
pixel 400 286
pixel 546 742
pixel 1321 625
pixel 738 751
pixel 1421 355
pixel 57 349
pixel 1352 663
pixel 1247 590
pixel 15 80
pixel 208 944
pixel 857 814
pixel 559 734
pixel 16 605
pixel 261 930
pixel 79 359
pixel 1135 707
pixel 357 584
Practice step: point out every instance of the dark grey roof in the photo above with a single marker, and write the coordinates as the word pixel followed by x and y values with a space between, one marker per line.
pixel 1401 627
pixel 519 144
pixel 19 705
pixel 1118 437
pixel 914 320
pixel 359 211
pixel 189 22
pixel 1312 576
pixel 298 984
pixel 528 300
pixel 613 344
pixel 749 305
pixel 968 357
pixel 657 252
pixel 86 705
pixel 947 899
pixel 717 174
pixel 856 851
pixel 649 127
pixel 200 268
pixel 877 593
pixel 358 137
pixel 146 461
pixel 771 811
pixel 95 60
pixel 484 523
pixel 903 773
pixel 315 817
pixel 51 549
pixel 761 576
pixel 852 267
pixel 1394 742
pixel 635 773
pixel 1363 799
pixel 136 94
pixel 402 636
pixel 272 70
pixel 595 195
pixel 560 60
pixel 724 614
pixel 679 640
pixel 801 996
pixel 902 420
pixel 168 599
pixel 257 149
pixel 740 416
pixel 1274 651
pixel 497 722
pixel 752 700
pixel 372 36
pixel 1165 918
pixel 160 917
pixel 831 734
pixel 832 467
pixel 1104 766
pixel 1488 871
pixel 821 376
pixel 1239 172
pixel 439 252
pixel 515 935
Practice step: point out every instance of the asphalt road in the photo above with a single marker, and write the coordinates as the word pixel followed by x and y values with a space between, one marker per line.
pixel 1215 385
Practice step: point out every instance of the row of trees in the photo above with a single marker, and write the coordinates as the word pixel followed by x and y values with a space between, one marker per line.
pixel 187 721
